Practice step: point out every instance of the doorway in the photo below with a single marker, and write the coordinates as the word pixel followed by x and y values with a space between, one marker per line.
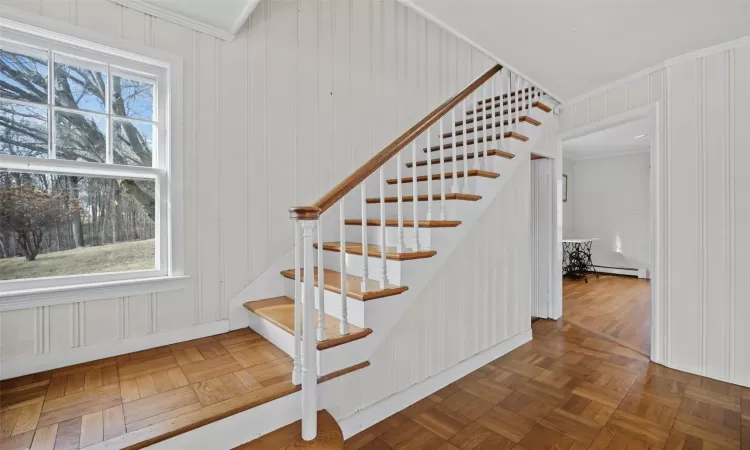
pixel 607 218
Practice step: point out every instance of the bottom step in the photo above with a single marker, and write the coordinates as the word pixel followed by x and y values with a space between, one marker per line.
pixel 330 436
pixel 280 312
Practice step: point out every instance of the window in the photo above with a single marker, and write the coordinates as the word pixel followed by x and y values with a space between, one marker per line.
pixel 84 164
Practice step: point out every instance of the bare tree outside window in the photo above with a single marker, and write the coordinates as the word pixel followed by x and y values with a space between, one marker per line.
pixel 54 225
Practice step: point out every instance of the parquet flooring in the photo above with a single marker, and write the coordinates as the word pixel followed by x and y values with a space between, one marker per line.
pixel 570 388
pixel 617 306
pixel 132 398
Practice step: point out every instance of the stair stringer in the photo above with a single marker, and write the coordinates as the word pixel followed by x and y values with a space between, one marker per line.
pixel 384 314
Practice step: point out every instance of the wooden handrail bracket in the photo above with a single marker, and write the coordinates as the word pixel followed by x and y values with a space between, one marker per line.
pixel 367 169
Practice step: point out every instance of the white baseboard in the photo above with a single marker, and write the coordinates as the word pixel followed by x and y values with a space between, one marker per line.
pixel 376 412
pixel 615 271
pixel 17 367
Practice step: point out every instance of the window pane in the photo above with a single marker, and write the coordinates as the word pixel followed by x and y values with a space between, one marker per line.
pixel 23 130
pixel 133 143
pixel 81 137
pixel 80 88
pixel 53 225
pixel 132 98
pixel 23 77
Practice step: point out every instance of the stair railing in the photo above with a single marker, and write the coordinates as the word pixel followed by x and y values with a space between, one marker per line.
pixel 503 89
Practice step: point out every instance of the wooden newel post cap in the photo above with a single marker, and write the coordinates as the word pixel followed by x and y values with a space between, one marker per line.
pixel 304 212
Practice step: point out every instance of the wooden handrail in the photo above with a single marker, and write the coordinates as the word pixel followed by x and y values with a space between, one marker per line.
pixel 337 193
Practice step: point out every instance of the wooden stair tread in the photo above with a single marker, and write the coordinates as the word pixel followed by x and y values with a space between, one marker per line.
pixel 472 141
pixel 391 253
pixel 332 282
pixel 539 105
pixel 280 312
pixel 535 156
pixel 506 123
pixel 470 155
pixel 330 437
pixel 407 223
pixel 448 176
pixel 423 198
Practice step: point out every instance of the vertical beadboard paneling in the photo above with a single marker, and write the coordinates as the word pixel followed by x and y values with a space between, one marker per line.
pixel 207 178
pixel 706 105
pixel 684 233
pixel 740 77
pixel 715 213
pixel 258 193
pixel 233 164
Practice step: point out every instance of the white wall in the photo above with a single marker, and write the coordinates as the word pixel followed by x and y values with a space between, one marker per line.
pixel 478 299
pixel 273 119
pixel 705 140
pixel 603 194
pixel 569 221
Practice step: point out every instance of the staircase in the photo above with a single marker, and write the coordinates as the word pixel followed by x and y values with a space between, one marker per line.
pixel 366 249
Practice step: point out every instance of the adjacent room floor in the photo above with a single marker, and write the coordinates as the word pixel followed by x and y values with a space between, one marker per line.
pixel 618 307
pixel 570 389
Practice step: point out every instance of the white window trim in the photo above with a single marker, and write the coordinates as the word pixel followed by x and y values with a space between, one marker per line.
pixel 170 275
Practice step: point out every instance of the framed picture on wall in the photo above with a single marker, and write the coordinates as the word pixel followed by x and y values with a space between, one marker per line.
pixel 565 188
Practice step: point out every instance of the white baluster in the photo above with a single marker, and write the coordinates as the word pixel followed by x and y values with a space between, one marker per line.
pixel 400 203
pixel 344 324
pixel 297 372
pixel 519 99
pixel 531 99
pixel 415 203
pixel 477 115
pixel 383 243
pixel 466 145
pixel 309 343
pixel 510 91
pixel 321 286
pixel 502 118
pixel 442 172
pixel 365 258
pixel 429 174
pixel 493 132
pixel 454 187
pixel 485 125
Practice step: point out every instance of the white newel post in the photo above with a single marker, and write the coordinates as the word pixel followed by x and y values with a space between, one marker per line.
pixel 309 343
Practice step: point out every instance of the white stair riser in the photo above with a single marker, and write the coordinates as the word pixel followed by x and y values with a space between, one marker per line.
pixel 329 360
pixel 474 185
pixel 354 234
pixel 452 210
pixel 524 128
pixel 355 266
pixel 492 163
pixel 355 308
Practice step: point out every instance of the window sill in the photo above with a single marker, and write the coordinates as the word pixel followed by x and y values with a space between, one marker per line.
pixel 58 295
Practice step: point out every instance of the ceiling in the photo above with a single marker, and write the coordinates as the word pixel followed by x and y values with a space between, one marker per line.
pixel 617 140
pixel 571 47
pixel 220 18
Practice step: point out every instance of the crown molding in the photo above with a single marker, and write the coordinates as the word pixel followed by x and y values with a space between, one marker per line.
pixel 163 13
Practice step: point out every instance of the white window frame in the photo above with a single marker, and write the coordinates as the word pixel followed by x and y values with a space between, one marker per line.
pixel 132 60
